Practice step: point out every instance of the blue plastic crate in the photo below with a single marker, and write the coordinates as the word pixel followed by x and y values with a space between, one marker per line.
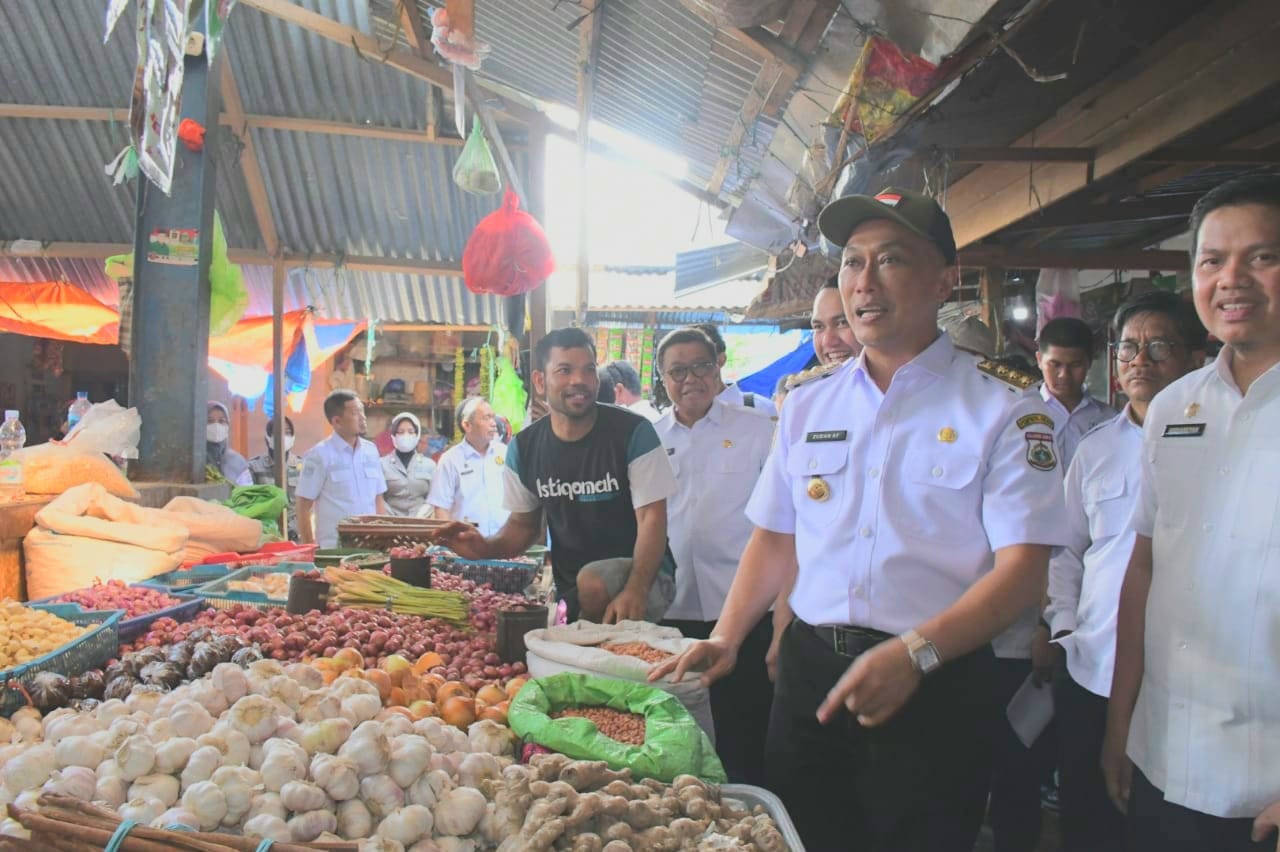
pixel 219 595
pixel 187 580
pixel 90 651
pixel 131 628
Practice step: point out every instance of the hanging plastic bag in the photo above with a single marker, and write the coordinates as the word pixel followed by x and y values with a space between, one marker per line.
pixel 674 743
pixel 508 252
pixel 228 295
pixel 476 171
pixel 508 396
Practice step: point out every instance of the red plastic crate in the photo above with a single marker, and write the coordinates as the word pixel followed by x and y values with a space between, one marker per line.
pixel 270 554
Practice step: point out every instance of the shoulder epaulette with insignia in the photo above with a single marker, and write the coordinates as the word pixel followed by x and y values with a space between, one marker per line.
pixel 812 374
pixel 1014 378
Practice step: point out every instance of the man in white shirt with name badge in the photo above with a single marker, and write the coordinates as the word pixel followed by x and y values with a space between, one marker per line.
pixel 717 452
pixel 917 494
pixel 342 475
pixel 1196 691
pixel 468 485
pixel 1158 339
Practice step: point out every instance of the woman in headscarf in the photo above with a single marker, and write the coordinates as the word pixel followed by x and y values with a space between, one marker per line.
pixel 217 453
pixel 263 470
pixel 407 471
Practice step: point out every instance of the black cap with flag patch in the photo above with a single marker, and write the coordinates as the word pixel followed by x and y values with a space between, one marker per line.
pixel 916 212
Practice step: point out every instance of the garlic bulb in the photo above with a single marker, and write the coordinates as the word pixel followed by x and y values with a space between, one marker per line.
pixel 113 790
pixel 231 681
pixel 307 676
pixel 307 827
pixel 362 707
pixel 26 721
pixel 238 785
pixel 160 729
pixel 302 796
pixel 381 794
pixel 488 736
pixel 140 701
pixel 326 737
pixel 428 789
pixel 208 696
pixel 280 766
pixel 254 716
pixel 78 782
pixel 319 706
pixel 354 820
pixel 337 776
pixel 286 690
pixel 163 788
pixel 394 725
pixel 288 729
pixel 267 803
pixel 478 767
pixel 459 811
pixel 407 825
pixel 79 750
pixel 379 844
pixel 200 766
pixel 12 828
pixel 172 755
pixel 264 670
pixel 233 744
pixel 141 810
pixel 176 816
pixel 410 755
pixel 189 719
pixel 136 757
pixel 207 801
pixel 64 722
pixel 110 710
pixel 267 827
pixel 31 768
pixel 371 752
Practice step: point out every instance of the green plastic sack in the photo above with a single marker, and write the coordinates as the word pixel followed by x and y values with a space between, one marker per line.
pixel 674 743
pixel 476 172
pixel 261 502
pixel 508 395
pixel 228 295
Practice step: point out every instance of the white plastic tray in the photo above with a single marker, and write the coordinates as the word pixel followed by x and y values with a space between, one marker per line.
pixel 752 796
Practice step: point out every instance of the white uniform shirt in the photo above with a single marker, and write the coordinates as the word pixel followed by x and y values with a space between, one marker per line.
pixel 1206 729
pixel 407 487
pixel 343 481
pixel 469 486
pixel 1086 575
pixel 733 395
pixel 646 410
pixel 716 463
pixel 926 482
pixel 1069 427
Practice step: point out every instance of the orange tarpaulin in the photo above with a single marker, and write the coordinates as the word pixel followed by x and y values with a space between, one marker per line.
pixel 58 311
pixel 248 343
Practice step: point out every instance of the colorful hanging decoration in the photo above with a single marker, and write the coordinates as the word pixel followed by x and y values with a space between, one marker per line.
pixel 884 83
pixel 459 389
pixel 191 134
pixel 508 252
pixel 124 167
pixel 486 372
pixel 157 85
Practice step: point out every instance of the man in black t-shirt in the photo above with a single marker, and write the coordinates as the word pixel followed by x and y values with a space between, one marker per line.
pixel 601 476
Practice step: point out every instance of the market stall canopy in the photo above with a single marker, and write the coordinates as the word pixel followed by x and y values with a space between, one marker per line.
pixel 57 310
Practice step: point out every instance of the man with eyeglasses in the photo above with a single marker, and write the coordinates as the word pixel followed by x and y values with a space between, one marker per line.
pixel 1158 340
pixel 717 452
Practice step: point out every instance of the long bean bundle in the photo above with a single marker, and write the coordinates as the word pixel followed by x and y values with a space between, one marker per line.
pixel 374 590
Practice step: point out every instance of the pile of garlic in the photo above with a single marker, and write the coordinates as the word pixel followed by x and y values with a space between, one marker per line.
pixel 268 752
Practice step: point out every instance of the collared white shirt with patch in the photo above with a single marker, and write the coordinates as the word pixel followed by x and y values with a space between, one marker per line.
pixel 1069 427
pixel 469 486
pixel 407 487
pixel 343 481
pixel 733 395
pixel 923 484
pixel 646 410
pixel 1085 576
pixel 716 462
pixel 1206 728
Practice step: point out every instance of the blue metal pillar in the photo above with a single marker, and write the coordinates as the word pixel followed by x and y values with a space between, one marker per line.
pixel 169 381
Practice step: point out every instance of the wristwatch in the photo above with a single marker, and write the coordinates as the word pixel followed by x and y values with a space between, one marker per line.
pixel 924 655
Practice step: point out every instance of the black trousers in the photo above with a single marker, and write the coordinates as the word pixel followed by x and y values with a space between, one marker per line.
pixel 1159 826
pixel 917 783
pixel 1017 770
pixel 1090 822
pixel 740 702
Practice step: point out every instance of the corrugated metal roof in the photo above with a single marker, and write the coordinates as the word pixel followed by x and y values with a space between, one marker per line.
pixel 700 268
pixel 52 53
pixel 88 275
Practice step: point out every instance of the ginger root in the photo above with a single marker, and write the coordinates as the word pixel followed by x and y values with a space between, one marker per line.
pixel 585 775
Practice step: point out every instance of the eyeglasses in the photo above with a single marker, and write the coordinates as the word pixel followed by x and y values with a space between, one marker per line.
pixel 699 370
pixel 1157 350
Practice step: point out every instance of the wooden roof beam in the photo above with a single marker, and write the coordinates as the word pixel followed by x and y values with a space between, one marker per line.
pixel 415 31
pixel 1215 156
pixel 985 256
pixel 1018 154
pixel 1070 215
pixel 588 54
pixel 1138 110
pixel 248 159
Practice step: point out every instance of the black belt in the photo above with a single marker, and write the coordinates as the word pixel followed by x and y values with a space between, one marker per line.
pixel 847 641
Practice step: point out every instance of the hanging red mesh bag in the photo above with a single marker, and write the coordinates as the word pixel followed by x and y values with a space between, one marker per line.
pixel 508 253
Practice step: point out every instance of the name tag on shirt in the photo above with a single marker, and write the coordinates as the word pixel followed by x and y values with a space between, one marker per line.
pixel 671 451
pixel 826 437
pixel 465 471
pixel 1184 430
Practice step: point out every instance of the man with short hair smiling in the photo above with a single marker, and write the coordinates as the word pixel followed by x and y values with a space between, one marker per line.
pixel 833 340
pixel 341 475
pixel 717 452
pixel 1195 697
pixel 602 478
pixel 469 482
pixel 1064 357
pixel 913 494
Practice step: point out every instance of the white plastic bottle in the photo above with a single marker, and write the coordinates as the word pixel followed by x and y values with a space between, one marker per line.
pixel 78 409
pixel 12 439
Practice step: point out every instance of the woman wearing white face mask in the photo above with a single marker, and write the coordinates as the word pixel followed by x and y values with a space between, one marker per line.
pixel 263 469
pixel 217 453
pixel 408 472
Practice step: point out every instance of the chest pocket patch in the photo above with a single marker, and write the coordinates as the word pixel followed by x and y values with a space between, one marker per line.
pixel 340 474
pixel 941 491
pixel 1106 506
pixel 817 459
pixel 820 487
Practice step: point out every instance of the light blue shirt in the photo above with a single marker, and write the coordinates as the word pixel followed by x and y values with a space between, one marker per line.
pixel 469 486
pixel 343 481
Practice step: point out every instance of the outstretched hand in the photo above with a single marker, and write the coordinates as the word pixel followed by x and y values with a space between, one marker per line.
pixel 462 538
pixel 714 657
